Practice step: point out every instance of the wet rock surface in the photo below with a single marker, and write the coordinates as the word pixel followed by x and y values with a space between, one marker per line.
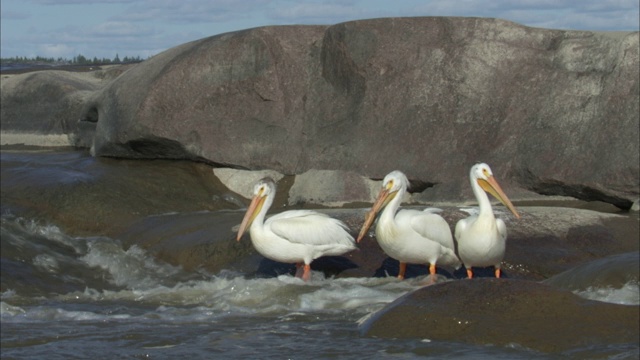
pixel 505 312
pixel 194 217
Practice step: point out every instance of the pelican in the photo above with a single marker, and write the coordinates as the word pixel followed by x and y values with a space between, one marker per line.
pixel 294 236
pixel 410 236
pixel 482 238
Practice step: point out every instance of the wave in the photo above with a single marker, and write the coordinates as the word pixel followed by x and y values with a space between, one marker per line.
pixel 72 278
pixel 612 279
pixel 68 271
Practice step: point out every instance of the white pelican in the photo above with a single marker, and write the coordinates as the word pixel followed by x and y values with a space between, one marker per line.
pixel 294 236
pixel 410 236
pixel 482 238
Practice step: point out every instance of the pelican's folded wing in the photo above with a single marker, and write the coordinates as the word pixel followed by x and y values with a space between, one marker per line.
pixel 309 227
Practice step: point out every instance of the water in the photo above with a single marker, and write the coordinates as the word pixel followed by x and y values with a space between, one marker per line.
pixel 68 296
pixel 123 302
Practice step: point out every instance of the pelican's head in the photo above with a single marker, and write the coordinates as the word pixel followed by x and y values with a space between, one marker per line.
pixel 264 187
pixel 482 175
pixel 263 190
pixel 395 182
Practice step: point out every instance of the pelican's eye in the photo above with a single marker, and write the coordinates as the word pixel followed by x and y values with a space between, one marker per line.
pixel 390 184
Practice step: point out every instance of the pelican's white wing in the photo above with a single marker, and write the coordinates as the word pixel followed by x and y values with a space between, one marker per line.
pixel 427 224
pixel 309 227
pixel 502 229
pixel 463 225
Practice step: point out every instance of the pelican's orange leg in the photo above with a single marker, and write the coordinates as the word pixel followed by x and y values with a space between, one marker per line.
pixel 432 273
pixel 306 276
pixel 469 273
pixel 403 269
pixel 498 272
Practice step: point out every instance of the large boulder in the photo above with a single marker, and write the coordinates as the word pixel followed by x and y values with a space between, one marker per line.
pixel 43 108
pixel 554 112
pixel 505 313
pixel 429 96
pixel 231 99
pixel 48 107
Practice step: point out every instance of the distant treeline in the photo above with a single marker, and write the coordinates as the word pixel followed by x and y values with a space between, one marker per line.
pixel 77 60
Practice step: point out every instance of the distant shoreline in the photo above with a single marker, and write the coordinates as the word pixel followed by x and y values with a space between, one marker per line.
pixel 13 69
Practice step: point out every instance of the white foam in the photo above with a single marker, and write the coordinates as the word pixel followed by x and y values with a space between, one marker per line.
pixel 46 262
pixel 221 296
pixel 7 310
pixel 7 294
pixel 54 234
pixel 133 268
pixel 13 313
pixel 629 294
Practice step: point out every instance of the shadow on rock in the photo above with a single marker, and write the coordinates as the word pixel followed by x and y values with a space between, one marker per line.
pixel 329 265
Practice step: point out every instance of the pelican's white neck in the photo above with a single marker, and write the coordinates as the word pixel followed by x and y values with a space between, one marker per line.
pixel 389 213
pixel 258 222
pixel 483 199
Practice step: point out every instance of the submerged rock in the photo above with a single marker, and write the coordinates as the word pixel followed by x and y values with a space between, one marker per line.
pixel 505 313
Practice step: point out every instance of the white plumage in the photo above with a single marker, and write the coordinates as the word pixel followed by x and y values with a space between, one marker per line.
pixel 409 236
pixel 294 236
pixel 482 238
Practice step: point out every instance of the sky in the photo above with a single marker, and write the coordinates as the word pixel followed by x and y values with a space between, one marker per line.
pixel 104 28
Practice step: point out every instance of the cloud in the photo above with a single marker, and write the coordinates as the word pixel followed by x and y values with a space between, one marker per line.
pixel 55 50
pixel 554 14
pixel 622 21
pixel 121 29
pixel 80 2
pixel 14 15
pixel 104 40
pixel 193 11
pixel 480 7
pixel 145 27
pixel 316 13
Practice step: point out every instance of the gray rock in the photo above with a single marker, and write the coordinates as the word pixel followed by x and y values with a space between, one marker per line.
pixel 331 188
pixel 531 102
pixel 48 107
pixel 553 112
pixel 42 108
pixel 242 181
pixel 505 313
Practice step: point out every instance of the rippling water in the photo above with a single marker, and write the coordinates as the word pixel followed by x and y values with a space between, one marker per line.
pixel 92 297
pixel 124 303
